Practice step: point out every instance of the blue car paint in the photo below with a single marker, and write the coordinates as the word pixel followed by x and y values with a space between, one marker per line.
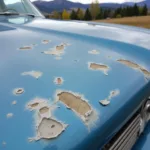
pixel 94 85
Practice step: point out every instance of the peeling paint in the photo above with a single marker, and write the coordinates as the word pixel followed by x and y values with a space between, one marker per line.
pixel 18 91
pixel 112 94
pixel 9 115
pixel 46 41
pixel 58 80
pixel 25 48
pixel 100 67
pixel 46 126
pixel 77 103
pixel 57 51
pixel 35 74
pixel 58 58
pixel 135 66
pixel 95 52
pixel 14 103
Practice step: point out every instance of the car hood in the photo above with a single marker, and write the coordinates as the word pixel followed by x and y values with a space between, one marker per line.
pixel 29 60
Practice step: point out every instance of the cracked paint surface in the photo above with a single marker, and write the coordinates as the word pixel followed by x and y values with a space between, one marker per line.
pixel 112 94
pixel 14 103
pixel 99 67
pixel 135 66
pixel 35 74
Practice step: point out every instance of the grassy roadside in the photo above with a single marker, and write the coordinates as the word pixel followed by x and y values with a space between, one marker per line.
pixel 142 21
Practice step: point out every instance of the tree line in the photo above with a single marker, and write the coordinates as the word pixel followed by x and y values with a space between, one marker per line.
pixel 95 12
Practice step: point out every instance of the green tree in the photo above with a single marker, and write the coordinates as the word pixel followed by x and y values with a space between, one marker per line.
pixel 136 10
pixel 73 15
pixel 65 15
pixel 80 14
pixel 94 9
pixel 87 15
pixel 145 10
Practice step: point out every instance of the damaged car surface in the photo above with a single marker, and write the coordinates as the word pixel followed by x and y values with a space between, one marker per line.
pixel 69 85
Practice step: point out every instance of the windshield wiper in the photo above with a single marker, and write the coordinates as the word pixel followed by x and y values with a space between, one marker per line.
pixel 16 13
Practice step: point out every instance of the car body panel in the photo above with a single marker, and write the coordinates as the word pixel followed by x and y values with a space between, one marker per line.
pixel 73 68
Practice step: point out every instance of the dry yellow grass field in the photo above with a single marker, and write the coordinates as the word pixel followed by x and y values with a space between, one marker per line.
pixel 142 21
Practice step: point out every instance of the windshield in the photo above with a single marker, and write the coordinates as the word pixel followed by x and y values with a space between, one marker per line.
pixel 18 6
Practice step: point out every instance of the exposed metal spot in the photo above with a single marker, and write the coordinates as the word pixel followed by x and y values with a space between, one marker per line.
pixel 46 41
pixel 25 48
pixel 18 91
pixel 95 52
pixel 9 115
pixel 35 74
pixel 100 67
pixel 58 80
pixel 112 94
pixel 79 105
pixel 135 66
pixel 14 102
pixel 60 47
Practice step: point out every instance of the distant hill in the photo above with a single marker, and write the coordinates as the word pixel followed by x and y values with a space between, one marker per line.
pixel 59 5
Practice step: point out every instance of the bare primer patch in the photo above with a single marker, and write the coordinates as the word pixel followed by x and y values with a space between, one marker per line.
pixel 18 91
pixel 78 104
pixel 9 115
pixel 46 126
pixel 135 66
pixel 112 94
pixel 100 67
pixel 35 74
pixel 46 41
pixel 24 48
pixel 58 80
pixel 14 103
pixel 57 51
pixel 4 143
pixel 94 52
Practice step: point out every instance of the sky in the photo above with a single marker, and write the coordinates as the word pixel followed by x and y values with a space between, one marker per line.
pixel 101 1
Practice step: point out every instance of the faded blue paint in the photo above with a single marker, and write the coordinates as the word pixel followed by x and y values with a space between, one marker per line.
pixel 111 41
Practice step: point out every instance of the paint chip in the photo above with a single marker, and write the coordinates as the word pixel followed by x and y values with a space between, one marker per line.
pixel 18 91
pixel 9 115
pixel 105 102
pixel 58 80
pixel 79 105
pixel 57 51
pixel 35 74
pixel 46 126
pixel 135 66
pixel 49 129
pixel 95 52
pixel 46 41
pixel 112 94
pixel 14 103
pixel 100 67
pixel 25 48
